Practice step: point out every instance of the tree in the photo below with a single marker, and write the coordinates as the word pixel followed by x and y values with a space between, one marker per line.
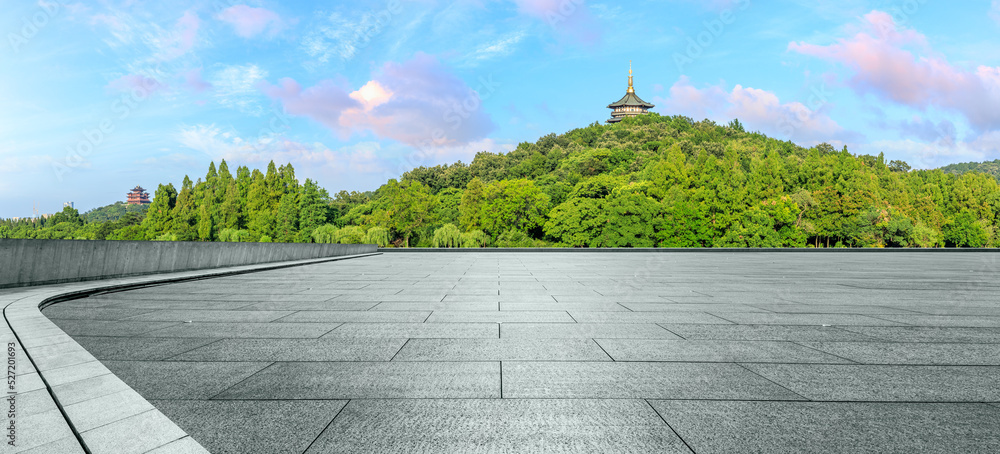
pixel 448 236
pixel 471 206
pixel 288 219
pixel 184 214
pixel 964 231
pixel 378 236
pixel 513 204
pixel 312 210
pixel 204 224
pixel 475 239
pixel 260 205
pixel 158 216
pixel 406 208
pixel 327 233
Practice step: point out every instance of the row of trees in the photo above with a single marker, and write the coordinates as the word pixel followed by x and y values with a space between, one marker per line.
pixel 649 181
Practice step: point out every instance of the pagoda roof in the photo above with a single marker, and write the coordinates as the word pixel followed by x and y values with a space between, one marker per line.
pixel 630 100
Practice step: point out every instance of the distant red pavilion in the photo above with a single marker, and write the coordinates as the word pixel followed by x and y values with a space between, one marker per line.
pixel 137 196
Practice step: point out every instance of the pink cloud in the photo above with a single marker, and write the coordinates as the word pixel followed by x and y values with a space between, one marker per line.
pixel 183 36
pixel 898 65
pixel 324 102
pixel 569 17
pixel 757 109
pixel 135 83
pixel 193 80
pixel 417 102
pixel 249 21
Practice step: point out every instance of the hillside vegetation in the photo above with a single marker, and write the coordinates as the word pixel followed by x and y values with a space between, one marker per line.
pixel 991 168
pixel 649 181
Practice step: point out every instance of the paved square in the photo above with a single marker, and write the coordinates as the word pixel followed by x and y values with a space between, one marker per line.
pixel 567 352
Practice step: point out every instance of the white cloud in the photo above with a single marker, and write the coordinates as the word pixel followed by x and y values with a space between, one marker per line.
pixel 235 87
pixel 995 11
pixel 498 48
pixel 219 144
pixel 341 38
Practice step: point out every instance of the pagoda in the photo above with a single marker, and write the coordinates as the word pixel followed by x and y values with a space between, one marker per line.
pixel 630 105
pixel 137 196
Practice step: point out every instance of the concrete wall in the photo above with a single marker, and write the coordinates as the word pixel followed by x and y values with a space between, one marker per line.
pixel 40 262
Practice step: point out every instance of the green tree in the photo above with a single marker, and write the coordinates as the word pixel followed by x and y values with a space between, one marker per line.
pixel 204 224
pixel 288 219
pixel 448 236
pixel 312 210
pixel 158 217
pixel 185 213
pixel 378 236
pixel 405 208
pixel 513 205
pixel 964 231
pixel 471 206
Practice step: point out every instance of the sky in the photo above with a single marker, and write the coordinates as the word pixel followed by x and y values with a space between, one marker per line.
pixel 97 97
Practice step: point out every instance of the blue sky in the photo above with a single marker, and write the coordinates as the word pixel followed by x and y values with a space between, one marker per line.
pixel 98 97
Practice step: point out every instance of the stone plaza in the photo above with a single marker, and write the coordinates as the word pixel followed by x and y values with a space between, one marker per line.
pixel 611 351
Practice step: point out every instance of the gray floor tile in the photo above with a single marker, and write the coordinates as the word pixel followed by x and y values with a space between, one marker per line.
pixel 435 306
pixel 913 353
pixel 500 317
pixel 120 436
pixel 501 350
pixel 310 306
pixel 597 380
pixel 246 426
pixel 138 348
pixel 833 427
pixel 572 307
pixel 508 425
pixel 326 349
pixel 416 330
pixel 946 320
pixel 765 332
pixel 182 380
pixel 244 330
pixel 416 316
pixel 240 316
pixel 57 311
pixel 361 380
pixel 108 328
pixel 585 331
pixel 647 317
pixel 929 334
pixel 714 351
pixel 753 318
pixel 886 383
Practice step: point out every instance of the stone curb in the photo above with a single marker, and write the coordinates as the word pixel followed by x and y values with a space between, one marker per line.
pixel 76 404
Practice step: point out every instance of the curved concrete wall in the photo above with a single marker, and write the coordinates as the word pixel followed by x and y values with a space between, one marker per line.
pixel 40 262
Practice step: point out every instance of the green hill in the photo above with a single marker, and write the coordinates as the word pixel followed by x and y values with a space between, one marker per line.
pixel 113 212
pixel 648 181
pixel 991 168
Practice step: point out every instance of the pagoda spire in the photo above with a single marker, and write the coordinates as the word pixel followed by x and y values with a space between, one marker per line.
pixel 630 89
pixel 630 105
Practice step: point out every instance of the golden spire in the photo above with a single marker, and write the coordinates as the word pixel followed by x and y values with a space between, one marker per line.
pixel 630 90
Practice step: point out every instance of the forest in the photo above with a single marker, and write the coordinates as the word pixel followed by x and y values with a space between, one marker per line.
pixel 648 181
